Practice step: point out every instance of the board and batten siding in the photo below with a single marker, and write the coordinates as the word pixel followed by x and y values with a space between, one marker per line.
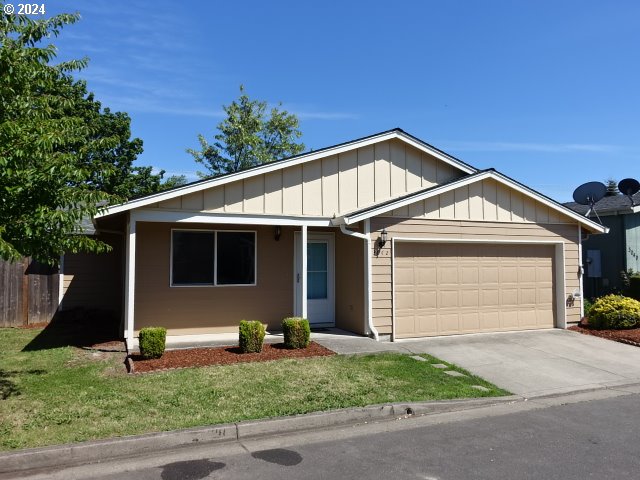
pixel 465 230
pixel 328 186
pixel 487 200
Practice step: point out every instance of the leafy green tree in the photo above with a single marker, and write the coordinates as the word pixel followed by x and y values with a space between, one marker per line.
pixel 248 136
pixel 612 188
pixel 110 166
pixel 43 189
pixel 173 181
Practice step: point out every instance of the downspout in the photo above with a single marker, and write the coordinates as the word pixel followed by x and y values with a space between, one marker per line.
pixel 367 272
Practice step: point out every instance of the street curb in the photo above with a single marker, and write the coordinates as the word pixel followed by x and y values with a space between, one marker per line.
pixel 100 450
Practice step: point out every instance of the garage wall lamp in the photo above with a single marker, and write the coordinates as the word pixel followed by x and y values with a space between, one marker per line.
pixel 277 232
pixel 382 239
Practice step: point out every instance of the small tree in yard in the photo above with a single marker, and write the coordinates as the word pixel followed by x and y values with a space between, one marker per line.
pixel 61 155
pixel 248 137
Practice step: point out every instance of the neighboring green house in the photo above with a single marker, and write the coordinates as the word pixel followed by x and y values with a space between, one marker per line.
pixel 606 256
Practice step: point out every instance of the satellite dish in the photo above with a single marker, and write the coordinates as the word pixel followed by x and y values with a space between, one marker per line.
pixel 589 194
pixel 629 187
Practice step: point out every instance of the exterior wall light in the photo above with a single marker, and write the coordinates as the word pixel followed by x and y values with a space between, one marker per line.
pixel 382 239
pixel 277 232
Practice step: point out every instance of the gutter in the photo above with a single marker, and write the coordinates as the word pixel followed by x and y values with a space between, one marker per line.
pixel 367 272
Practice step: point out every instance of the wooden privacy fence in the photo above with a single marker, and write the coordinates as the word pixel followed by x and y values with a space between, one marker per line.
pixel 29 293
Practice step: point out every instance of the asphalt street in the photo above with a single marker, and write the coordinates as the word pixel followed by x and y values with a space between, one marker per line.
pixel 587 436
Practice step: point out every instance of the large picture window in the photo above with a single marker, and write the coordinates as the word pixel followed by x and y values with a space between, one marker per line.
pixel 213 258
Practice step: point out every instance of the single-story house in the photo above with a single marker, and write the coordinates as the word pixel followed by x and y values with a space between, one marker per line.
pixel 384 236
pixel 606 257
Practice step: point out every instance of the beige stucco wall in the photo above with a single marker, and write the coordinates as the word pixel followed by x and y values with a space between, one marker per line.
pixel 350 283
pixel 210 309
pixel 456 229
pixel 94 281
pixel 333 185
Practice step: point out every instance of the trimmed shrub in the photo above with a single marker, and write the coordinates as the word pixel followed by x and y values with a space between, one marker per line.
pixel 152 341
pixel 296 332
pixel 615 312
pixel 251 336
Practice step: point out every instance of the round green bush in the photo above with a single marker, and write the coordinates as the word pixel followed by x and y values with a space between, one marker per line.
pixel 615 312
pixel 152 341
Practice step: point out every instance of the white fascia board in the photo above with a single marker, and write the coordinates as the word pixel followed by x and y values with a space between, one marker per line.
pixel 550 203
pixel 175 216
pixel 270 167
pixel 349 219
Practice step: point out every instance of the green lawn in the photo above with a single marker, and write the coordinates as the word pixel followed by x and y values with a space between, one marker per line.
pixel 67 394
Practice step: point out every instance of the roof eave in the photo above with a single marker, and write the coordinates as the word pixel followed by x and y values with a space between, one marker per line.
pixel 296 160
pixel 386 206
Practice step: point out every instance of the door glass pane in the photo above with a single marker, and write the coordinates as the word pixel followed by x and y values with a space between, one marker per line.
pixel 316 285
pixel 317 257
pixel 316 270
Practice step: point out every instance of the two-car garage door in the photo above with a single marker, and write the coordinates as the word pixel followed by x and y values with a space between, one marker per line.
pixel 452 288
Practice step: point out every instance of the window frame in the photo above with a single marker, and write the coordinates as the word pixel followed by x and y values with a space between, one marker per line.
pixel 215 260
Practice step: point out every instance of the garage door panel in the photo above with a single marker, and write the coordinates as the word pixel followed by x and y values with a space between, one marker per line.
pixel 448 299
pixel 426 276
pixel 428 323
pixel 443 289
pixel 509 319
pixel 470 321
pixel 469 297
pixel 406 299
pixel 527 318
pixel 545 295
pixel 489 274
pixel 544 273
pixel 405 275
pixel 489 320
pixel 526 273
pixel 469 275
pixel 405 325
pixel 448 274
pixel 509 297
pixel 490 297
pixel 508 274
pixel 428 299
pixel 449 323
pixel 528 296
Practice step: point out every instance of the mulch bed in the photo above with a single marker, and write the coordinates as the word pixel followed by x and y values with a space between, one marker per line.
pixel 200 357
pixel 630 337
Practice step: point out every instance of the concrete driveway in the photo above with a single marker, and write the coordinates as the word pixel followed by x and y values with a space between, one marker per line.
pixel 538 362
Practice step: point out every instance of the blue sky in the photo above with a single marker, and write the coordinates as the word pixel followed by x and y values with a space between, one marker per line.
pixel 546 92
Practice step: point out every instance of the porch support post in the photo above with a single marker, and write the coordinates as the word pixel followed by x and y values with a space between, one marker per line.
pixel 130 279
pixel 303 253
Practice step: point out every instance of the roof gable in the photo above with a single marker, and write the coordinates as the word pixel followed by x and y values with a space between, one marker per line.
pixel 486 195
pixel 293 177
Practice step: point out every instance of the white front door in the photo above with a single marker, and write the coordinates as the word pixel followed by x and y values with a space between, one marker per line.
pixel 321 310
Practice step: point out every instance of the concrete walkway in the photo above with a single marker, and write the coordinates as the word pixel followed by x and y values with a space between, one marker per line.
pixel 529 364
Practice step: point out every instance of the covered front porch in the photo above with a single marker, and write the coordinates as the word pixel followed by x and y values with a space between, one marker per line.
pixel 199 275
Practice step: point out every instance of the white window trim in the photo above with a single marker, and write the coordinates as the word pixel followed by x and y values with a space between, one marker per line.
pixel 215 260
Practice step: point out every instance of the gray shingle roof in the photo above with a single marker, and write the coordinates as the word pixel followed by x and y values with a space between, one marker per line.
pixel 607 204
